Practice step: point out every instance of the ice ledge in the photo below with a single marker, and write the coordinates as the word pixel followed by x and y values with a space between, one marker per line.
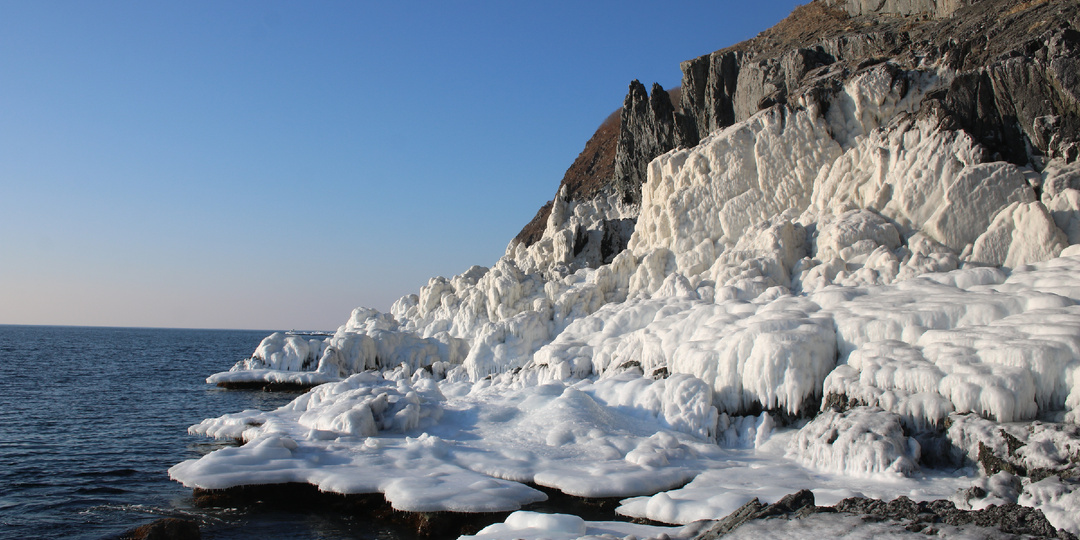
pixel 261 378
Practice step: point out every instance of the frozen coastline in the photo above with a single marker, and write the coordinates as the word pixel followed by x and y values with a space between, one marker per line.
pixel 462 446
pixel 840 292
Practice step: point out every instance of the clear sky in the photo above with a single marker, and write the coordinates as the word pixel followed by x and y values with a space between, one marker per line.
pixel 272 165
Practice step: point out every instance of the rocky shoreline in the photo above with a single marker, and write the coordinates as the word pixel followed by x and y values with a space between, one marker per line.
pixel 925 517
pixel 373 506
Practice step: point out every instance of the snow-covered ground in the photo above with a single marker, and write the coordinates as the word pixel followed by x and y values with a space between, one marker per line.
pixel 805 297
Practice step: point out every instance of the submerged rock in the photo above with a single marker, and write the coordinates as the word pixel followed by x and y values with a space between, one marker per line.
pixel 165 529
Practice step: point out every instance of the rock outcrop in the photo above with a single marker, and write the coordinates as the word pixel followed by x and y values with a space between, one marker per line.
pixel 936 8
pixel 790 507
pixel 650 126
pixel 1014 67
pixel 919 516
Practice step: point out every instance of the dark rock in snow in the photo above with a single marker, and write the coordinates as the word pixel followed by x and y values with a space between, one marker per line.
pixel 914 516
pixel 1008 518
pixel 708 90
pixel 1054 450
pixel 795 505
pixel 1028 99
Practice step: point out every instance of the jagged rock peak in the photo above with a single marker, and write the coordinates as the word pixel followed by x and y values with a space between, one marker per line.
pixel 650 126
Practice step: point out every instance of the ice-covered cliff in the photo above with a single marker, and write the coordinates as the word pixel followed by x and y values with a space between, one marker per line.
pixel 846 251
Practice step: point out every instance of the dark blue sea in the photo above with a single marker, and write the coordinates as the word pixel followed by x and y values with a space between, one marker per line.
pixel 92 418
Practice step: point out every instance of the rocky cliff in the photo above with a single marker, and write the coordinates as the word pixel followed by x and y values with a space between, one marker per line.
pixel 1012 70
pixel 1013 67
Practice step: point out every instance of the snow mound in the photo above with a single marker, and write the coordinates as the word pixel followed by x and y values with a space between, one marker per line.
pixel 862 441
pixel 369 340
pixel 768 472
pixel 284 352
pixel 521 524
pixel 362 405
pixel 536 526
pixel 1006 349
pixel 679 402
pixel 272 376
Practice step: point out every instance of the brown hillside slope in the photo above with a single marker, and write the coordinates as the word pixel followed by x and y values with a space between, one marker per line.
pixel 588 175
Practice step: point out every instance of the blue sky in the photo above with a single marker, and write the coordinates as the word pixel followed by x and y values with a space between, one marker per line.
pixel 272 165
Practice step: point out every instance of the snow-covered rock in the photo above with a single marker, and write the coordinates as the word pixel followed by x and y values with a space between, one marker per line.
pixel 861 441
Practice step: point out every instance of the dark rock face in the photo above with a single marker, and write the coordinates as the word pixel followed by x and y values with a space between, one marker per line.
pixel 1008 518
pixel 649 127
pixel 730 86
pixel 1014 91
pixel 921 516
pixel 1028 98
pixel 165 529
pixel 617 234
pixel 708 90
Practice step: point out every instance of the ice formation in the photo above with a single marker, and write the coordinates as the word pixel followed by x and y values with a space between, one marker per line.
pixel 858 263
pixel 548 525
pixel 534 525
pixel 861 440
pixel 400 435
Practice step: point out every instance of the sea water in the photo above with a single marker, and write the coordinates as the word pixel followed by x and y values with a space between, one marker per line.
pixel 91 419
